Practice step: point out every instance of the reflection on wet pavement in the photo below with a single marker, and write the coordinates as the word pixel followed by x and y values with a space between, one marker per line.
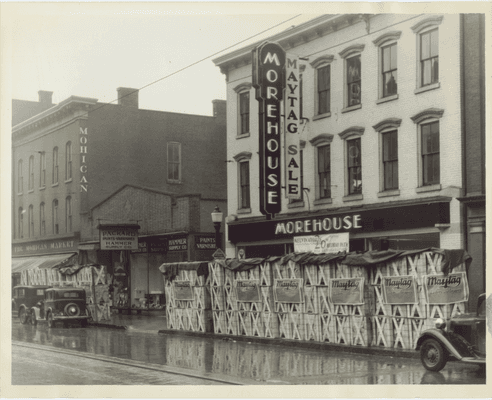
pixel 259 362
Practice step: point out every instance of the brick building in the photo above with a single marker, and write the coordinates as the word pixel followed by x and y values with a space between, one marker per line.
pixel 390 109
pixel 70 158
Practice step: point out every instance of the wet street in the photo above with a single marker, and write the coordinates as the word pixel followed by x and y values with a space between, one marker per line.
pixel 118 357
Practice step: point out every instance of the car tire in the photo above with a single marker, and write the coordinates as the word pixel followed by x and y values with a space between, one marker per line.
pixel 51 322
pixel 23 316
pixel 433 355
pixel 34 321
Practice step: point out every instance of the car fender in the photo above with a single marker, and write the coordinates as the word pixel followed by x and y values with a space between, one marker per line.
pixel 442 338
pixel 36 312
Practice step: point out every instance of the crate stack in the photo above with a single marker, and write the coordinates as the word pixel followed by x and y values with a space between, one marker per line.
pixel 223 301
pixel 189 315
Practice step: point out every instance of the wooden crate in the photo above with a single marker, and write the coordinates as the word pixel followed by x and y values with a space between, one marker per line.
pixel 250 323
pixel 291 325
pixel 270 325
pixel 289 271
pixel 217 298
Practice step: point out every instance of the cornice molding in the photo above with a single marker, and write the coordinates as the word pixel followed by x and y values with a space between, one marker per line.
pixel 426 114
pixel 430 21
pixel 393 35
pixel 324 138
pixel 326 59
pixel 355 48
pixel 244 155
pixel 387 123
pixel 352 131
pixel 243 86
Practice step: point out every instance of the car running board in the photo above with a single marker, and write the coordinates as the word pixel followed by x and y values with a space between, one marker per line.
pixel 473 360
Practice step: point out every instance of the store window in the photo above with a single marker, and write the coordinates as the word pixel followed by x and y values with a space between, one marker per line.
pixel 42 220
pixel 244 201
pixel 54 177
pixel 68 214
pixel 54 216
pixel 324 171
pixel 31 173
pixel 42 170
pixel 243 108
pixel 20 178
pixel 68 161
pixel 174 162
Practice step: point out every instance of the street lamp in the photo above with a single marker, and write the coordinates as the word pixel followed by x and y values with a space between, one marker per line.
pixel 217 220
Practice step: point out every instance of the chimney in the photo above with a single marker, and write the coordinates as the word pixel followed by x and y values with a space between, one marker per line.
pixel 219 108
pixel 128 97
pixel 45 97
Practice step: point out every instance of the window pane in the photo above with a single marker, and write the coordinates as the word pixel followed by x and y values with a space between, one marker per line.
pixel 354 152
pixel 435 70
pixel 424 46
pixel 353 69
pixel 323 78
pixel 386 59
pixel 393 57
pixel 434 43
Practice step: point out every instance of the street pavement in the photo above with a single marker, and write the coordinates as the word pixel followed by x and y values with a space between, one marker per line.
pixel 238 361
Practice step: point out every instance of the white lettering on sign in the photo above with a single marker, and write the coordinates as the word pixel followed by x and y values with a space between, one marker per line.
pixel 327 224
pixel 84 184
pixel 119 239
pixel 292 117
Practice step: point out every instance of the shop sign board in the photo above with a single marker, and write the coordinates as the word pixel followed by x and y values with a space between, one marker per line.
pixel 157 244
pixel 142 246
pixel 178 243
pixel 118 238
pixel 322 244
pixel 293 189
pixel 49 246
pixel 183 290
pixel 205 242
pixel 347 291
pixel 248 290
pixel 268 62
pixel 288 290
pixel 446 289
pixel 399 290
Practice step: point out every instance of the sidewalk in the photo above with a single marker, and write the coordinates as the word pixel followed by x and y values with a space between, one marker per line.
pixel 155 322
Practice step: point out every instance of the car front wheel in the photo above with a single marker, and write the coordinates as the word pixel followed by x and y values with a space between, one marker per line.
pixel 23 315
pixel 433 355
pixel 34 321
pixel 51 322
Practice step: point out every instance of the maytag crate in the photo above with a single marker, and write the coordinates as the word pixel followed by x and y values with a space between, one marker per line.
pixel 225 322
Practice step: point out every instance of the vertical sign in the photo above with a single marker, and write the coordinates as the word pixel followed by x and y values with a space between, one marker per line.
pixel 84 184
pixel 292 115
pixel 268 80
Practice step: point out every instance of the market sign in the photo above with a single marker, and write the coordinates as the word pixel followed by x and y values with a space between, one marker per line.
pixel 291 127
pixel 399 290
pixel 347 291
pixel 322 244
pixel 288 290
pixel 268 61
pixel 446 289
pixel 248 290
pixel 118 237
pixel 183 290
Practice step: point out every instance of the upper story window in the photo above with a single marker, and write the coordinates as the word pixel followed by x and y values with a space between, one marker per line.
pixel 243 108
pixel 20 178
pixel 322 101
pixel 54 178
pixel 68 214
pixel 54 216
pixel 42 170
pixel 388 130
pixel 353 157
pixel 388 66
pixel 20 222
pixel 428 125
pixel 31 173
pixel 322 146
pixel 427 32
pixel 353 76
pixel 174 162
pixel 42 220
pixel 242 160
pixel 68 161
pixel 30 220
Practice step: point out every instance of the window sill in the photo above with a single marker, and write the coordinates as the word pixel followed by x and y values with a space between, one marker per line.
pixel 243 135
pixel 54 184
pixel 321 116
pixel 42 187
pixel 68 180
pixel 387 193
pixel 427 88
pixel 296 204
pixel 428 188
pixel 352 108
pixel 243 211
pixel 386 99
pixel 320 202
pixel 353 197
pixel 171 182
pixel 30 191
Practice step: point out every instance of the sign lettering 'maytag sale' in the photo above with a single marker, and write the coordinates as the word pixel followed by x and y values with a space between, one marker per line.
pixel 268 80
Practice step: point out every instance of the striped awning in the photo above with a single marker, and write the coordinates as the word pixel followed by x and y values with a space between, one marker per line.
pixel 24 263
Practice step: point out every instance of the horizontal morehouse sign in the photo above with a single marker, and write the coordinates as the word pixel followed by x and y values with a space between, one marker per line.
pixel 347 291
pixel 400 290
pixel 446 289
pixel 375 220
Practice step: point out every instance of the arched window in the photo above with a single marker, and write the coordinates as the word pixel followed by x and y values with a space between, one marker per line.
pixel 20 179
pixel 42 170
pixel 54 216
pixel 42 220
pixel 31 173
pixel 54 179
pixel 20 222
pixel 68 214
pixel 30 220
pixel 68 161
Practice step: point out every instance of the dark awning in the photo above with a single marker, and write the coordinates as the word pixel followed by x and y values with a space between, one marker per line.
pixel 25 263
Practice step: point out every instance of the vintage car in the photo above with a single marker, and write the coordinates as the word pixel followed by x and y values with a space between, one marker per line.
pixel 463 340
pixel 23 298
pixel 61 304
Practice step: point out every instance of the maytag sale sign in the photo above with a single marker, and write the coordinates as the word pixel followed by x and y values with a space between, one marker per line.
pixel 446 289
pixel 399 290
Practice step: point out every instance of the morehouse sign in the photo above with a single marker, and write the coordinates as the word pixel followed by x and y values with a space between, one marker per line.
pixel 268 80
pixel 341 223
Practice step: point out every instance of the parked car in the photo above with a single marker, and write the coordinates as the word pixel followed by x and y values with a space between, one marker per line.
pixel 61 304
pixel 463 341
pixel 23 298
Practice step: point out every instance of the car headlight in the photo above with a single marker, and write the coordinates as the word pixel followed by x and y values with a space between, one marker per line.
pixel 440 323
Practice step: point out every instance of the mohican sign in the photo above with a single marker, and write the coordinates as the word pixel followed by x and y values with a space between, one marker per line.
pixel 269 81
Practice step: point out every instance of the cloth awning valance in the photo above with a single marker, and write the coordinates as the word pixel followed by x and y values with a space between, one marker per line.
pixel 25 263
pixel 171 270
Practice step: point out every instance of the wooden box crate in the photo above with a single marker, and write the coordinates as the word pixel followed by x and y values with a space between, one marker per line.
pixel 192 276
pixel 289 271
pixel 311 327
pixel 250 323
pixel 270 325
pixel 225 322
pixel 310 305
pixel 291 325
pixel 217 298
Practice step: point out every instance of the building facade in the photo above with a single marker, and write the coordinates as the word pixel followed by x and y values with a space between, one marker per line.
pixel 73 156
pixel 380 136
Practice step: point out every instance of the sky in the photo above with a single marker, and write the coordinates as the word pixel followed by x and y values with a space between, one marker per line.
pixel 90 50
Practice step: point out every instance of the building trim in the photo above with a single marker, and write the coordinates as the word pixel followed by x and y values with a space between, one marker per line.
pixel 326 59
pixel 426 114
pixel 387 123
pixel 430 21
pixel 324 138
pixel 353 130
pixel 244 155
pixel 385 37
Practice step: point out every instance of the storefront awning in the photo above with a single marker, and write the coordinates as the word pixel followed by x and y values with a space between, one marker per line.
pixel 25 263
